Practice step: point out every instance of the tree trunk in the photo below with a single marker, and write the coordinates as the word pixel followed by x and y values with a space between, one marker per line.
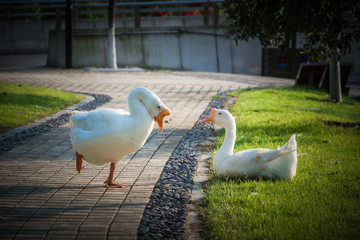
pixel 335 81
pixel 335 76
pixel 293 61
pixel 111 35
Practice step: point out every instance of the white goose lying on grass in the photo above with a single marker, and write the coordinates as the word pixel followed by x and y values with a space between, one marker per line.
pixel 108 135
pixel 252 163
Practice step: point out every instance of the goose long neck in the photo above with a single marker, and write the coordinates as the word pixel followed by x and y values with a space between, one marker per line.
pixel 227 148
pixel 137 107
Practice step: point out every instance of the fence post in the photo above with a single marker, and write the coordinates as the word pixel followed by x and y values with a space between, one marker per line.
pixel 206 13
pixel 68 35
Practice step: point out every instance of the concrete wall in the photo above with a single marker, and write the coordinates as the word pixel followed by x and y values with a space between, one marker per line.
pixel 151 47
pixel 24 37
pixel 198 49
pixel 32 37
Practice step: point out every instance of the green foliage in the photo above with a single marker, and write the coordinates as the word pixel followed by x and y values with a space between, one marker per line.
pixel 322 200
pixel 20 105
pixel 274 23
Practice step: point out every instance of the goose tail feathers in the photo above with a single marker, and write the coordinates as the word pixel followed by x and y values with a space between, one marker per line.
pixel 290 146
pixel 268 156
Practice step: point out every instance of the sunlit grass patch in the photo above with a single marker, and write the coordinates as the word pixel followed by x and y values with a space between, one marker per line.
pixel 20 104
pixel 322 200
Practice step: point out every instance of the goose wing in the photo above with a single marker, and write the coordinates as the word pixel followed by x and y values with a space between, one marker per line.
pixel 98 119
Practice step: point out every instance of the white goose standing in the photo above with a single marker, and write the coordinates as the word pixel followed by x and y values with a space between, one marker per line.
pixel 108 135
pixel 252 163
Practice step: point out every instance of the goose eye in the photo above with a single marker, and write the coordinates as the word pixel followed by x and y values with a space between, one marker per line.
pixel 158 107
pixel 219 113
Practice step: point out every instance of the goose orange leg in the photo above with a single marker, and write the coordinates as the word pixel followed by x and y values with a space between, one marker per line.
pixel 109 182
pixel 79 158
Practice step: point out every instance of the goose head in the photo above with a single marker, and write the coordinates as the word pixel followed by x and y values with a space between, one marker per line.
pixel 159 111
pixel 156 108
pixel 220 117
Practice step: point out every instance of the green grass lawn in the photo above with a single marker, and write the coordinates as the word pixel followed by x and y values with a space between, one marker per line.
pixel 323 200
pixel 20 104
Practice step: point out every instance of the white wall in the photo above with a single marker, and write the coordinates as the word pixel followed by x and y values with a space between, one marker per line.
pixel 199 50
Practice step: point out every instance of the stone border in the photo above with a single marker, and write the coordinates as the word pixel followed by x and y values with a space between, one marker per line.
pixel 166 214
pixel 195 227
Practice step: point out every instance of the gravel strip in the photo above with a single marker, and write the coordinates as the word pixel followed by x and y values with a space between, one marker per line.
pixel 22 137
pixel 165 214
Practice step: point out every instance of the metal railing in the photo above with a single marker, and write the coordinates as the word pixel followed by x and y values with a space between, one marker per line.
pixel 36 10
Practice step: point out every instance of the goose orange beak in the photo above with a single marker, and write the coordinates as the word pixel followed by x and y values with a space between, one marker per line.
pixel 210 118
pixel 159 119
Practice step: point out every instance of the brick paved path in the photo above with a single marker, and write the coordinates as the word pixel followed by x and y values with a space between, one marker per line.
pixel 41 194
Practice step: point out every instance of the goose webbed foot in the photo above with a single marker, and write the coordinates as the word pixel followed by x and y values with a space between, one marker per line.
pixel 109 182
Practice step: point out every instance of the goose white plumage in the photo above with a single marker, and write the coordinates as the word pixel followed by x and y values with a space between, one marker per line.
pixel 252 163
pixel 108 135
